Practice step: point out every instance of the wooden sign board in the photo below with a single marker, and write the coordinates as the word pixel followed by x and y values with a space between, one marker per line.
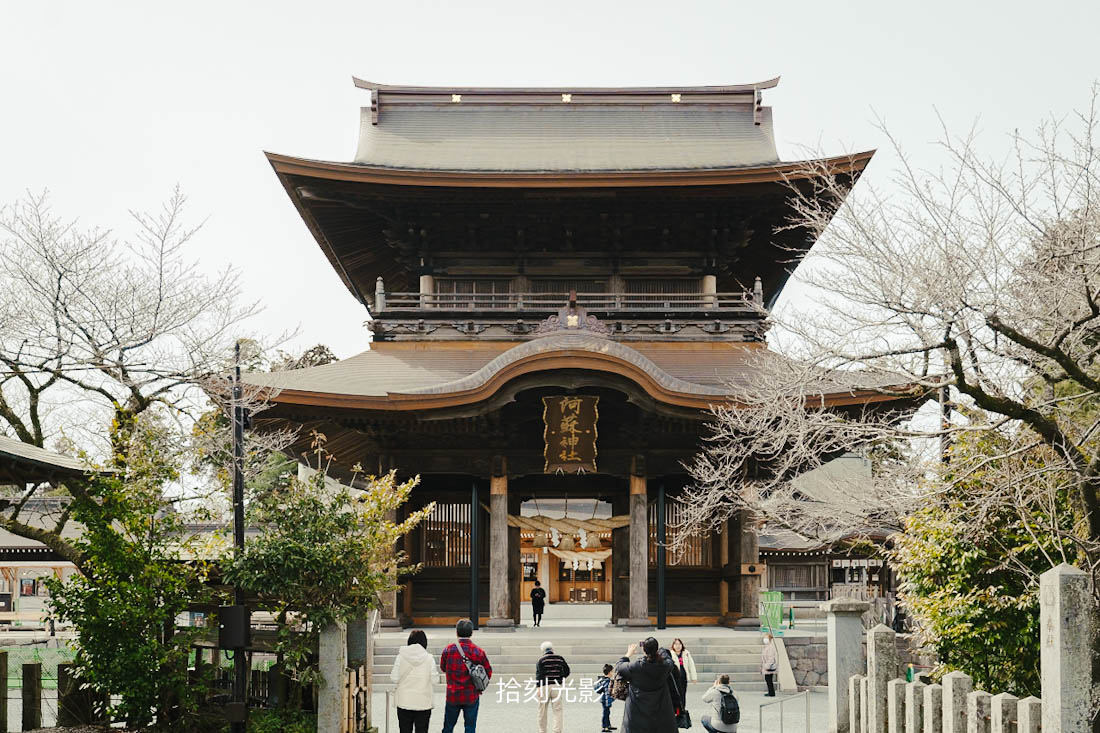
pixel 570 431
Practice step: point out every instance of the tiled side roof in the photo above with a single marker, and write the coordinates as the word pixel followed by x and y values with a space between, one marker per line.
pixel 19 460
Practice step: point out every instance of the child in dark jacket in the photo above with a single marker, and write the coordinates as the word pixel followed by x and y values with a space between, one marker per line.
pixel 603 689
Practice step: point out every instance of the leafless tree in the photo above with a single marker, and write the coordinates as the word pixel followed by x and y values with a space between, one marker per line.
pixel 100 333
pixel 979 282
pixel 125 323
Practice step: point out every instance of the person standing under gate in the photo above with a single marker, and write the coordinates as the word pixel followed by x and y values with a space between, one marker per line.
pixel 538 602
pixel 550 672
pixel 462 694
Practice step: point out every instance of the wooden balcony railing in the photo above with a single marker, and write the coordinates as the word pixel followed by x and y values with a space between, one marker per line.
pixel 551 302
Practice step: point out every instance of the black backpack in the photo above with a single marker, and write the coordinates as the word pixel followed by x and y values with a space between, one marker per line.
pixel 731 711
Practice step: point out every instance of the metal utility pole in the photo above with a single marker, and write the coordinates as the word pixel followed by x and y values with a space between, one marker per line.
pixel 239 622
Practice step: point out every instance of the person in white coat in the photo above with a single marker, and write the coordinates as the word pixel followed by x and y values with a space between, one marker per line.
pixel 412 671
pixel 685 668
pixel 769 663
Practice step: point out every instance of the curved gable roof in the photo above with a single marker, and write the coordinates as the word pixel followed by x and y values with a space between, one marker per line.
pixel 434 375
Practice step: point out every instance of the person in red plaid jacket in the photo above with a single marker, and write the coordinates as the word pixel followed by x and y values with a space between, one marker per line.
pixel 461 693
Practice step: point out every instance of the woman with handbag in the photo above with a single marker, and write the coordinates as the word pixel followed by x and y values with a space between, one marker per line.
pixel 685 669
pixel 649 702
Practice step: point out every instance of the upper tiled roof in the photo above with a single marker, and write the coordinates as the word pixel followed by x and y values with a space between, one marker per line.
pixel 567 138
pixel 566 129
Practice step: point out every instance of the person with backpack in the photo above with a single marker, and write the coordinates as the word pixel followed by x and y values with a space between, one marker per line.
pixel 727 711
pixel 649 700
pixel 550 673
pixel 468 671
pixel 412 671
pixel 603 690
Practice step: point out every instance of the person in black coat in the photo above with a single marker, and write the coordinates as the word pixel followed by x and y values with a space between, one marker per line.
pixel 650 705
pixel 538 602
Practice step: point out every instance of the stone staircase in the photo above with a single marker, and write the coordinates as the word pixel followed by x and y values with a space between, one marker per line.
pixel 514 656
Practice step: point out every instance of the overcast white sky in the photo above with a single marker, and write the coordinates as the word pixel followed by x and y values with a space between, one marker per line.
pixel 109 105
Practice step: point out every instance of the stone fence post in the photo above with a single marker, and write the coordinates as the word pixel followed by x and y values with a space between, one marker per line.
pixel 933 709
pixel 979 707
pixel 1005 707
pixel 1029 713
pixel 844 626
pixel 882 667
pixel 855 702
pixel 1065 649
pixel 914 707
pixel 956 686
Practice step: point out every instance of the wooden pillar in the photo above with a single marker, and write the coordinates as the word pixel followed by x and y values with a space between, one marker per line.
pixel 748 555
pixel 475 554
pixel 500 587
pixel 620 568
pixel 4 690
pixel 662 608
pixel 32 696
pixel 639 547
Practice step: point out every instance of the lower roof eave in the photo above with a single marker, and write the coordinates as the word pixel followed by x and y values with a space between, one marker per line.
pixel 286 165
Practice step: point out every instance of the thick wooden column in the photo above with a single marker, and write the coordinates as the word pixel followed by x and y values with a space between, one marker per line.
pixel 748 544
pixel 639 547
pixel 500 588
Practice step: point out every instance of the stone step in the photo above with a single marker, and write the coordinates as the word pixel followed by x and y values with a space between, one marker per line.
pixel 576 648
pixel 754 685
pixel 739 672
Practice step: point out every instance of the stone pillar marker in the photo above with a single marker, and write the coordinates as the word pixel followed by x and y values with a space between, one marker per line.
pixel 1029 714
pixel 1003 719
pixel 914 707
pixel 500 590
pixel 933 709
pixel 855 688
pixel 882 666
pixel 895 706
pixel 332 657
pixel 1065 649
pixel 979 705
pixel 639 547
pixel 389 598
pixel 844 627
pixel 956 686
